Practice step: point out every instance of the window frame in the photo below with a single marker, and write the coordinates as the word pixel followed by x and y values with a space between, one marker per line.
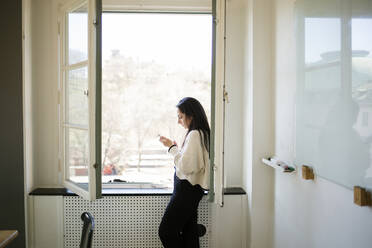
pixel 149 185
pixel 93 63
pixel 217 9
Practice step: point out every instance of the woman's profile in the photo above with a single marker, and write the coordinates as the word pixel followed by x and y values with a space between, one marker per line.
pixel 178 227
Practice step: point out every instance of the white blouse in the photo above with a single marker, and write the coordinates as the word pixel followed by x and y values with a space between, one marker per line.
pixel 192 161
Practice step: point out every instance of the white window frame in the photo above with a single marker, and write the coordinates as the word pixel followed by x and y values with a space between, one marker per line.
pixel 94 171
pixel 217 9
pixel 218 124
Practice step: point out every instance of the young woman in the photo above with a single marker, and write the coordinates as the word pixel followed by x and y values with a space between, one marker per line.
pixel 179 227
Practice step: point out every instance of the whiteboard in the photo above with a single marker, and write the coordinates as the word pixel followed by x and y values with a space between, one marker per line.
pixel 334 89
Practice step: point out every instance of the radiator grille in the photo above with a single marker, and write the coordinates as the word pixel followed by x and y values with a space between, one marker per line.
pixel 123 221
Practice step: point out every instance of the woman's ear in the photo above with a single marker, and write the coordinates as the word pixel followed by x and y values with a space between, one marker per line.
pixel 189 119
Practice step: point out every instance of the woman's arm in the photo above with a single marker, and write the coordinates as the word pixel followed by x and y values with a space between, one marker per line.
pixel 190 158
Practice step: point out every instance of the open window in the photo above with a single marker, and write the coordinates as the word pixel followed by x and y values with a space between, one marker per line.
pixel 85 161
pixel 80 97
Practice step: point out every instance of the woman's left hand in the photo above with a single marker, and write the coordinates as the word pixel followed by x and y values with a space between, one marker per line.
pixel 166 142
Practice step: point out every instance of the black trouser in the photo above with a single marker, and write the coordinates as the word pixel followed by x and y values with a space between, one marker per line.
pixel 178 227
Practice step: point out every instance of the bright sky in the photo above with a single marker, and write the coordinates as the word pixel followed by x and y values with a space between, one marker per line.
pixel 166 38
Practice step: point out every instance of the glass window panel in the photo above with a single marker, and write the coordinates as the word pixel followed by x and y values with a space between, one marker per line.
pixel 77 97
pixel 153 62
pixel 77 151
pixel 78 35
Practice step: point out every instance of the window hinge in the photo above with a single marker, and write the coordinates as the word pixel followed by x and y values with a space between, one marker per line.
pixel 225 95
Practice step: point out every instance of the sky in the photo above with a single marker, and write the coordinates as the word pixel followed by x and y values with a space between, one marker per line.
pixel 185 38
pixel 162 37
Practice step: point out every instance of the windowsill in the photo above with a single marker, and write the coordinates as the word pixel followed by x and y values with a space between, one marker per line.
pixel 124 192
pixel 105 192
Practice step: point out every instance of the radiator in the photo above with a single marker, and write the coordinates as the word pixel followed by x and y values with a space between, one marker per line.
pixel 124 221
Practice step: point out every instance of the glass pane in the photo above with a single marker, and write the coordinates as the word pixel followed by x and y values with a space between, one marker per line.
pixel 77 151
pixel 77 97
pixel 360 128
pixel 78 35
pixel 142 83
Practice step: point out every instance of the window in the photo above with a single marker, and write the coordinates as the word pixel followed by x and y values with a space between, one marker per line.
pixel 153 55
pixel 150 62
pixel 80 98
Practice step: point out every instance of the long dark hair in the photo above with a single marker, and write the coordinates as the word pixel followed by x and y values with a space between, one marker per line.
pixel 194 110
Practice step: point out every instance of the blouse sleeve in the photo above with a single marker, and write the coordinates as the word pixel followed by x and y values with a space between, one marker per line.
pixel 188 159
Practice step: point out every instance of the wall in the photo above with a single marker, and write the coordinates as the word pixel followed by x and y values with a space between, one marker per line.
pixel 234 78
pixel 27 107
pixel 229 226
pixel 47 227
pixel 258 130
pixel 12 210
pixel 27 95
pixel 307 213
pixel 44 29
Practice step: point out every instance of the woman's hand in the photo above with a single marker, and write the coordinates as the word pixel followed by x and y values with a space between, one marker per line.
pixel 166 142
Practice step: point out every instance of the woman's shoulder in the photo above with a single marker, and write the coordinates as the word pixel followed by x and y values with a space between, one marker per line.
pixel 194 134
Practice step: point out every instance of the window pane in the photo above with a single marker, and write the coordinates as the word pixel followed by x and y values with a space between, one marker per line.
pixel 77 150
pixel 78 35
pixel 153 62
pixel 77 97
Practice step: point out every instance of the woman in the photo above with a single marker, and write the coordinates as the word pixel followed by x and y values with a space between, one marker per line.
pixel 178 227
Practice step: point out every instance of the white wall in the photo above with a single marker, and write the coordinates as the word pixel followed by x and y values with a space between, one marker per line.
pixel 315 213
pixel 258 132
pixel 44 31
pixel 229 226
pixel 46 227
pixel 27 95
pixel 234 84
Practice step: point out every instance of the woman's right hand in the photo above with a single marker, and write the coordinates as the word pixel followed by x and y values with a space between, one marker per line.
pixel 166 142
